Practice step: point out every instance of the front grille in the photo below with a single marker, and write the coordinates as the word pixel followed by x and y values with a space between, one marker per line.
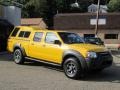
pixel 103 59
pixel 103 54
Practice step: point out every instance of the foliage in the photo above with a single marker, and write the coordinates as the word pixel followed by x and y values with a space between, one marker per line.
pixel 34 8
pixel 11 2
pixel 114 6
pixel 102 2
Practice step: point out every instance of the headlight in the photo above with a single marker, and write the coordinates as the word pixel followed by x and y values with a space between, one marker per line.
pixel 92 55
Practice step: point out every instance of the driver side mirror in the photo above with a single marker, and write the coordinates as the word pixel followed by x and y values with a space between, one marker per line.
pixel 58 42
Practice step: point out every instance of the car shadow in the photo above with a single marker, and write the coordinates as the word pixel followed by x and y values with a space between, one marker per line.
pixel 45 65
pixel 6 57
pixel 111 74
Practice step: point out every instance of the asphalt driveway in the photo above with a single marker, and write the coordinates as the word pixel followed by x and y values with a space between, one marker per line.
pixel 39 76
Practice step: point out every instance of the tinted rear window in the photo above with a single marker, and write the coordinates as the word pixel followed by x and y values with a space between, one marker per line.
pixel 27 34
pixel 21 34
pixel 24 34
pixel 15 32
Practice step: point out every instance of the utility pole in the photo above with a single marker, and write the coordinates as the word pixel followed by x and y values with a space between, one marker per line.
pixel 97 18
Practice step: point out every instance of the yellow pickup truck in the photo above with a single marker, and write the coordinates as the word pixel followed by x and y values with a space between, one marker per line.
pixel 62 48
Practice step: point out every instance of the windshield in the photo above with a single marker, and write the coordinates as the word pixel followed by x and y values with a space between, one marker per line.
pixel 70 38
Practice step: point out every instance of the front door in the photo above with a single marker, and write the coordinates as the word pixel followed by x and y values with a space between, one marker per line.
pixel 52 51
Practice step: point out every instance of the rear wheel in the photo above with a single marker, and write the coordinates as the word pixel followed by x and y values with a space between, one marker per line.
pixel 18 57
pixel 72 68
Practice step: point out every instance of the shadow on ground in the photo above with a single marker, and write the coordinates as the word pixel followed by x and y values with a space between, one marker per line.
pixel 6 57
pixel 111 74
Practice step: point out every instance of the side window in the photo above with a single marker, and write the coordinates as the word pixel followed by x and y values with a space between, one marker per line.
pixel 21 34
pixel 38 36
pixel 27 34
pixel 51 37
pixel 15 32
pixel 24 34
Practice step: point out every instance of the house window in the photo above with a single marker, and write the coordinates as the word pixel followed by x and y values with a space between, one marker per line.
pixel 111 36
pixel 89 35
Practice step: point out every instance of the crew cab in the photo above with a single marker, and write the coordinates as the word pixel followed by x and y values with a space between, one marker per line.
pixel 62 48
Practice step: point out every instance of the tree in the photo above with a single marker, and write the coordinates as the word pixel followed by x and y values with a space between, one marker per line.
pixel 102 2
pixel 114 6
pixel 64 6
pixel 11 2
pixel 34 8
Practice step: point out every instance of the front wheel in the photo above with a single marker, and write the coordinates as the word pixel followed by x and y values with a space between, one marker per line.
pixel 18 57
pixel 72 68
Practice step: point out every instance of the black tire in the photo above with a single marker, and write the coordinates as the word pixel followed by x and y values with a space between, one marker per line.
pixel 72 68
pixel 18 57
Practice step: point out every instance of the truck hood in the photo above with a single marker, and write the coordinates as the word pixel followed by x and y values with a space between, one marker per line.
pixel 84 48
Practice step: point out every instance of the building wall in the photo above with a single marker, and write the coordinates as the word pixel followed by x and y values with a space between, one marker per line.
pixel 1 10
pixel 13 15
pixel 36 22
pixel 101 34
pixel 80 23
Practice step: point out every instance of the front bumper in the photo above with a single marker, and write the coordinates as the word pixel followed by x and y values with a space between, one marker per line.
pixel 103 60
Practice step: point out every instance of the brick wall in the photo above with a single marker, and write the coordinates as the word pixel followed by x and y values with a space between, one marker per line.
pixel 82 21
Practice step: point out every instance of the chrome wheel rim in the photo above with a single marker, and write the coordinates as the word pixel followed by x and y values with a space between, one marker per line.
pixel 71 68
pixel 17 56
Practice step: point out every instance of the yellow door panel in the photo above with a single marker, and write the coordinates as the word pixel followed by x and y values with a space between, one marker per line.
pixel 53 53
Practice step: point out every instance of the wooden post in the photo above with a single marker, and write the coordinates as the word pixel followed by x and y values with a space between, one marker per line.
pixel 97 18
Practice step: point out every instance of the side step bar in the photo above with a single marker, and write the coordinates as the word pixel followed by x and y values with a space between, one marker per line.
pixel 42 61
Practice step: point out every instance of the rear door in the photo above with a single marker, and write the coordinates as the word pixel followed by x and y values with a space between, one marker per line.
pixel 36 46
